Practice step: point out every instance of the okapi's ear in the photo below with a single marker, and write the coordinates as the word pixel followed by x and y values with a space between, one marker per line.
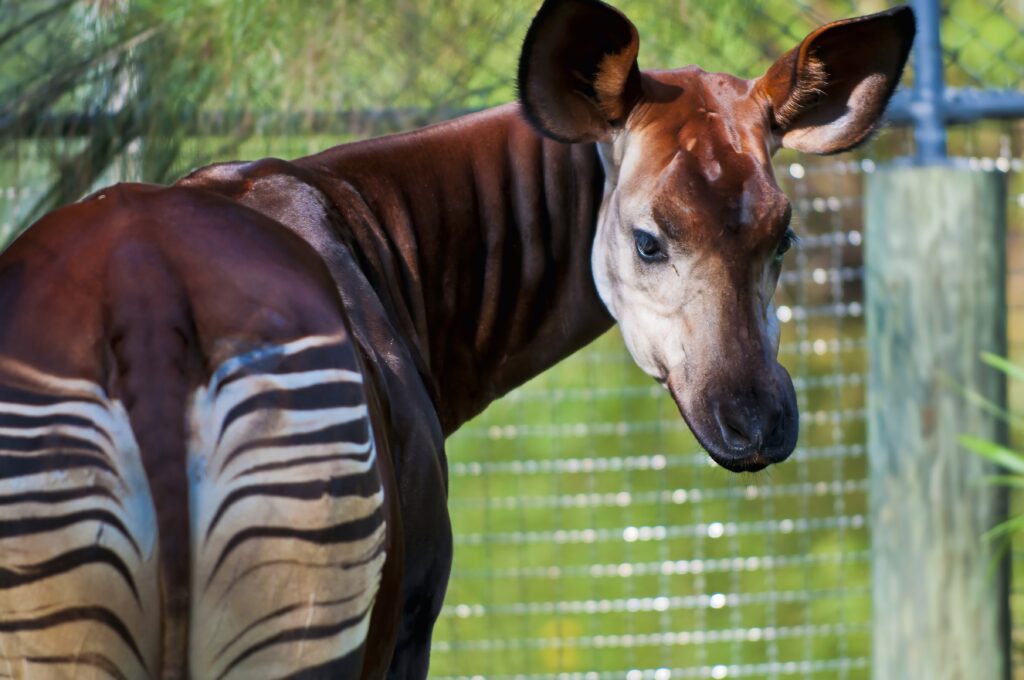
pixel 578 78
pixel 829 93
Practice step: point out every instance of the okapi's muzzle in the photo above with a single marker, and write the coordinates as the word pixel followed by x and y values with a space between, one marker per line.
pixel 744 427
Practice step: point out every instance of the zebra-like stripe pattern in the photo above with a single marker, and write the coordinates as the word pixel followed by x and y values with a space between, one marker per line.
pixel 288 530
pixel 78 554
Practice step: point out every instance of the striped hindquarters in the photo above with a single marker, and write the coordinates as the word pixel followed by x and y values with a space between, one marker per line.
pixel 288 529
pixel 78 556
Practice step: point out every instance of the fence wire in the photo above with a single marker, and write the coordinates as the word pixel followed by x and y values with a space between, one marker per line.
pixel 593 538
pixel 642 560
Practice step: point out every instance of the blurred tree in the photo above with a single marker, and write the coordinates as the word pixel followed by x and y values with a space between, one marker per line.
pixel 147 89
pixel 93 83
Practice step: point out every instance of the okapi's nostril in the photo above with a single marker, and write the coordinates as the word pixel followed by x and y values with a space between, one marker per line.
pixel 737 430
pixel 738 435
pixel 776 430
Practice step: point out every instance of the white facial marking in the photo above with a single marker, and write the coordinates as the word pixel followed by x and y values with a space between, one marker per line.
pixel 712 171
pixel 668 310
pixel 657 304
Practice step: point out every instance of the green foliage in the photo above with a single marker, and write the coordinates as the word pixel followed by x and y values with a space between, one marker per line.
pixel 163 87
pixel 1006 457
pixel 110 65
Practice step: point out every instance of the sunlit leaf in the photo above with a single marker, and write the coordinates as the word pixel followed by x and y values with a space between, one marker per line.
pixel 1011 369
pixel 1010 526
pixel 1004 480
pixel 1006 457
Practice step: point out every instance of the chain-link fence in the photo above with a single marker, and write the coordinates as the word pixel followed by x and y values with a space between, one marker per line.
pixel 593 538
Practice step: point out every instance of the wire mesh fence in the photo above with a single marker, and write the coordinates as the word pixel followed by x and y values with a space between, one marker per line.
pixel 642 560
pixel 629 552
pixel 593 538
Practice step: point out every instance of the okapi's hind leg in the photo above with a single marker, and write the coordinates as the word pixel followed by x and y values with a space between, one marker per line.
pixel 79 586
pixel 288 524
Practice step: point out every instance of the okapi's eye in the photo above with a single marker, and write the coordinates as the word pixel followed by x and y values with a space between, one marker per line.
pixel 785 244
pixel 647 246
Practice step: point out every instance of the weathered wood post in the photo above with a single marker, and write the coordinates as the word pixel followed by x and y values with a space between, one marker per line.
pixel 935 289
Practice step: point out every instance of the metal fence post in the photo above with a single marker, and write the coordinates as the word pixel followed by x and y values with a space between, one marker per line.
pixel 929 84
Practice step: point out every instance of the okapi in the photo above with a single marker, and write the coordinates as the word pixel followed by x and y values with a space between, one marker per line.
pixel 223 404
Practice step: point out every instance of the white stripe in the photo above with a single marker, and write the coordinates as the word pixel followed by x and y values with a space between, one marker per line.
pixel 231 366
pixel 27 377
pixel 246 474
pixel 285 381
pixel 85 434
pixel 95 413
pixel 240 429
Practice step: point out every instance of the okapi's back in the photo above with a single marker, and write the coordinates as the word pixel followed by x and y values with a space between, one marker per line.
pixel 188 479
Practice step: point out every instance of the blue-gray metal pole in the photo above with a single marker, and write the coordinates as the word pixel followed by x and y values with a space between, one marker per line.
pixel 929 95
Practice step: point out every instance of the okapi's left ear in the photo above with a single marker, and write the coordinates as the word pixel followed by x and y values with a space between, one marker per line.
pixel 578 77
pixel 829 93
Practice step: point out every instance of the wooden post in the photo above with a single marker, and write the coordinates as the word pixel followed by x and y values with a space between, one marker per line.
pixel 935 290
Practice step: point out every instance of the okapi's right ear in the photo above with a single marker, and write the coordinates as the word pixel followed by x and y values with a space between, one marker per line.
pixel 829 93
pixel 578 77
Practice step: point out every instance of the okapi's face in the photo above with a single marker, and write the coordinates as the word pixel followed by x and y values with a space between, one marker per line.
pixel 693 228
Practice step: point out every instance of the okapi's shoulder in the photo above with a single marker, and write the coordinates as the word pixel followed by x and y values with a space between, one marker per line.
pixel 282 190
pixel 235 179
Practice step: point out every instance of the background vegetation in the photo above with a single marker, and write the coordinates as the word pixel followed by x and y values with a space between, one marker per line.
pixel 89 80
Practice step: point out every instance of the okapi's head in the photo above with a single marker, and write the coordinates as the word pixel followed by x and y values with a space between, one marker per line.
pixel 693 228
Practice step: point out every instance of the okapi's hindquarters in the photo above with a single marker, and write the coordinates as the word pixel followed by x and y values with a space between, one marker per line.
pixel 198 494
pixel 79 585
pixel 288 530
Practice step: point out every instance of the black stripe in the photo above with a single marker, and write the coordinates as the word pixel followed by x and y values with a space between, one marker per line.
pixel 352 530
pixel 337 356
pixel 56 497
pixel 348 666
pixel 362 484
pixel 278 613
pixel 23 466
pixel 37 525
pixel 47 440
pixel 101 615
pixel 355 430
pixel 65 562
pixel 306 460
pixel 302 634
pixel 24 422
pixel 371 554
pixel 85 659
pixel 21 397
pixel 312 397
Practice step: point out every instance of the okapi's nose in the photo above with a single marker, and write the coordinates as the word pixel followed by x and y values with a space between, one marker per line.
pixel 743 429
pixel 753 428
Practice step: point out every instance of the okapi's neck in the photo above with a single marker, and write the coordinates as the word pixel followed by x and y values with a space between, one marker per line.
pixel 479 244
